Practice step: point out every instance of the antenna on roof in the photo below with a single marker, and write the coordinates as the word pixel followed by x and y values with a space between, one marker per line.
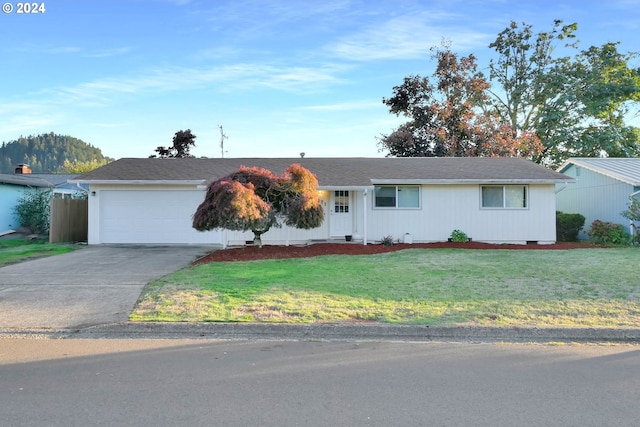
pixel 223 136
pixel 302 155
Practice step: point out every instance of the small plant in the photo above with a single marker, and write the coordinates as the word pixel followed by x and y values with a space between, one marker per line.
pixel 459 236
pixel 568 226
pixel 387 240
pixel 608 233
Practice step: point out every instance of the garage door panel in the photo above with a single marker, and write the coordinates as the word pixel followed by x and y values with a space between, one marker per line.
pixel 152 216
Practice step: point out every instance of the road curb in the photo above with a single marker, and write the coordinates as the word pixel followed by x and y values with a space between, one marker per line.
pixel 339 332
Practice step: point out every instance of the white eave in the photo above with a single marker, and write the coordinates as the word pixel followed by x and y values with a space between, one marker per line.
pixel 344 187
pixel 137 182
pixel 469 181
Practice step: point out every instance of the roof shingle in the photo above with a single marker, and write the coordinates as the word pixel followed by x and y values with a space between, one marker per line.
pixel 333 172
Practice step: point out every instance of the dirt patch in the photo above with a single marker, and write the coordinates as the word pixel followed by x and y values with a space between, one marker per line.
pixel 250 253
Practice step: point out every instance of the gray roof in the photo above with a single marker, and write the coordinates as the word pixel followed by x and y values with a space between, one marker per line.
pixel 621 168
pixel 35 180
pixel 331 172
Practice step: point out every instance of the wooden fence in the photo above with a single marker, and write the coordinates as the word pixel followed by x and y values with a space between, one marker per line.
pixel 69 220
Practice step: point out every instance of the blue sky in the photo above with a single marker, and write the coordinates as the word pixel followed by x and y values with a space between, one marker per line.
pixel 281 77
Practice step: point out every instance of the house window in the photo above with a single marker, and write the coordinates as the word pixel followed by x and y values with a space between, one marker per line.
pixel 397 196
pixel 341 201
pixel 504 196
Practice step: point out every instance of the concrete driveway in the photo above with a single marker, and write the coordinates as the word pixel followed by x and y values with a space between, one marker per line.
pixel 95 285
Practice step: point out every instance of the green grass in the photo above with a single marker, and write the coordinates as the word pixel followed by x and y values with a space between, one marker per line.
pixel 18 250
pixel 574 288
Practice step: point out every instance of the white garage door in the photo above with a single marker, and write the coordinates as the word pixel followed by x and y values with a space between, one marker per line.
pixel 149 216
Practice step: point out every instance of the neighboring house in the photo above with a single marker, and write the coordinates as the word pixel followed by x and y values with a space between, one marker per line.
pixel 601 189
pixel 504 200
pixel 13 187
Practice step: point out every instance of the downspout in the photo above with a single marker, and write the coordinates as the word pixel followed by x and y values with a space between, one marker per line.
pixel 364 217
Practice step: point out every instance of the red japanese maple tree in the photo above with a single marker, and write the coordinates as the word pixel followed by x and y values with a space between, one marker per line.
pixel 256 199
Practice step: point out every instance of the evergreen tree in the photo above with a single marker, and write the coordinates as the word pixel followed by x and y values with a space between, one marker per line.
pixel 47 153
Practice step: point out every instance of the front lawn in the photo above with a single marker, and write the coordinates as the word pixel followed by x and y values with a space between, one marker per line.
pixel 17 250
pixel 572 288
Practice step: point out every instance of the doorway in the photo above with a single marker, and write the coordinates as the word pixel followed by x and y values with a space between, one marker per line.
pixel 341 222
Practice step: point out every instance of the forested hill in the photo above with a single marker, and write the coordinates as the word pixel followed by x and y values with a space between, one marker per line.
pixel 46 153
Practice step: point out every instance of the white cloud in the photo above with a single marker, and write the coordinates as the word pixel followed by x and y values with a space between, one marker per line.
pixel 238 77
pixel 346 106
pixel 406 36
pixel 26 118
pixel 106 53
pixel 64 50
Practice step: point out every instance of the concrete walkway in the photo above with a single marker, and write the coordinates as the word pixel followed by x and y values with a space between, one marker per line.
pixel 95 285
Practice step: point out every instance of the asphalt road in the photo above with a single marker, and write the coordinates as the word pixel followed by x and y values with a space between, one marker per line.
pixel 279 383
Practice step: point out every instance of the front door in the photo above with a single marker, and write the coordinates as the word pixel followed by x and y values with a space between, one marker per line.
pixel 341 223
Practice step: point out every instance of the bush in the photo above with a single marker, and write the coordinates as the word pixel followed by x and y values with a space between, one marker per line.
pixel 608 233
pixel 568 226
pixel 387 240
pixel 633 214
pixel 459 236
pixel 32 210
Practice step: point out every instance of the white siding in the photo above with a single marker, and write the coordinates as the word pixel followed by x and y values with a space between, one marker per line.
pixel 595 196
pixel 163 214
pixel 448 207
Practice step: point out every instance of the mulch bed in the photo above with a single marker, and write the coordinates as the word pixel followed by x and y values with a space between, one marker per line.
pixel 251 253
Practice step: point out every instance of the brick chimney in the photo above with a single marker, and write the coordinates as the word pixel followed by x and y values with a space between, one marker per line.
pixel 22 169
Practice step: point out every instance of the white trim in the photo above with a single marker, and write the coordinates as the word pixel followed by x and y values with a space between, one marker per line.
pixel 138 182
pixel 364 203
pixel 343 187
pixel 467 181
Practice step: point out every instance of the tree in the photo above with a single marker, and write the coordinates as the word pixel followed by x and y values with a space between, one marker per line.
pixel 47 152
pixel 81 167
pixel 183 141
pixel 32 210
pixel 633 215
pixel 574 104
pixel 256 199
pixel 445 116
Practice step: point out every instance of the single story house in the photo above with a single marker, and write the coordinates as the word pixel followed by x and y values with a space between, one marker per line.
pixel 505 200
pixel 600 189
pixel 13 187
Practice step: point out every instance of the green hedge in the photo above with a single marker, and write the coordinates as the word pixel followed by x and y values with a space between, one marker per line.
pixel 568 226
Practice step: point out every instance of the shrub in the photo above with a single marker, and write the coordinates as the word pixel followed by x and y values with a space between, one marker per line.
pixel 568 226
pixel 459 236
pixel 32 210
pixel 387 240
pixel 608 233
pixel 633 214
